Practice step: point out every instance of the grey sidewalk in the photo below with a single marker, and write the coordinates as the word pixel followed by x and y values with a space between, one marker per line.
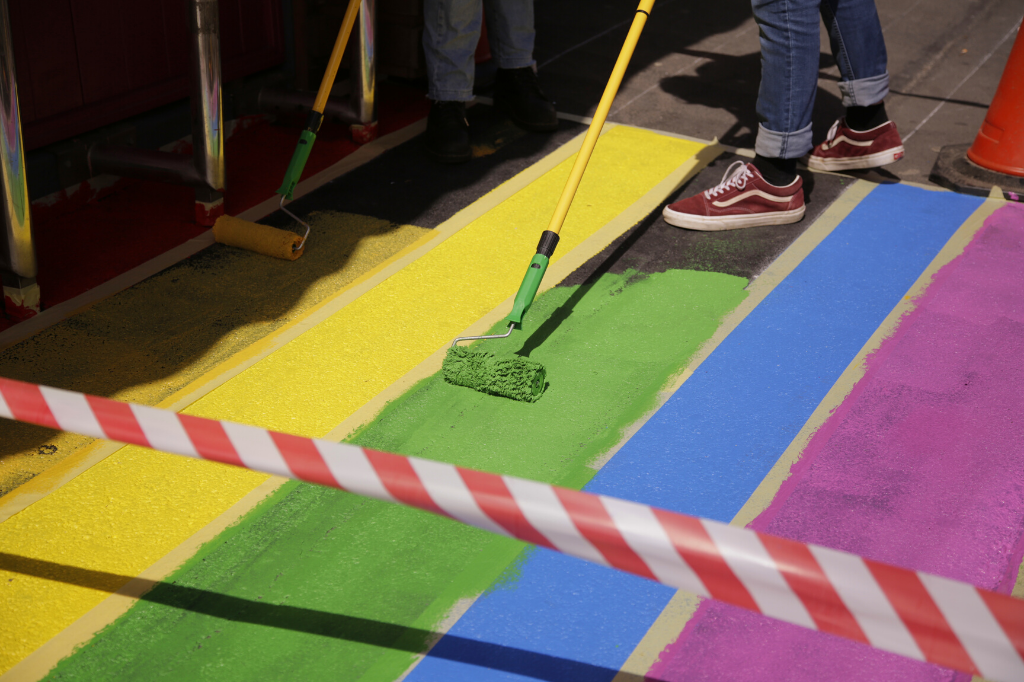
pixel 697 68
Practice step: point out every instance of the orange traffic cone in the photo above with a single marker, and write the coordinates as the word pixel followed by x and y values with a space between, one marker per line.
pixel 999 145
pixel 996 159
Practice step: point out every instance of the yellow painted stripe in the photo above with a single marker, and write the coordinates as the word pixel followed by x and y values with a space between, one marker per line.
pixel 324 376
pixel 35 666
pixel 373 246
pixel 129 510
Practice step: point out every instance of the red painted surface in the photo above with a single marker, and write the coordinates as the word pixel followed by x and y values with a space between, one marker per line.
pixel 92 236
pixel 208 212
pixel 16 312
pixel 361 134
pixel 83 64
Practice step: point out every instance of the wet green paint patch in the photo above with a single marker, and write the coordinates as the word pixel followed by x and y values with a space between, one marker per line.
pixel 320 584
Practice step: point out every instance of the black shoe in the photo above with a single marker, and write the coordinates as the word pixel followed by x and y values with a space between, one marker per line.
pixel 518 94
pixel 447 135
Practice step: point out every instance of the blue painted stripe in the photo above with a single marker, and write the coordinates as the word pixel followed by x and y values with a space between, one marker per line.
pixel 709 446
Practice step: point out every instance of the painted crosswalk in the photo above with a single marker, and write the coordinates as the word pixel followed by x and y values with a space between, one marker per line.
pixel 382 587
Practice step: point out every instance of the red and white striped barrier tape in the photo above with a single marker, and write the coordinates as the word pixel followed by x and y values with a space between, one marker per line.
pixel 913 614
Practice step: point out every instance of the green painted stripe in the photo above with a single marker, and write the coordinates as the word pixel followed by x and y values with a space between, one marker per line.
pixel 319 584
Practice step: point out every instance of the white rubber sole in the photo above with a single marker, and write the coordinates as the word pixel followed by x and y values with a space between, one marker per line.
pixel 869 161
pixel 731 222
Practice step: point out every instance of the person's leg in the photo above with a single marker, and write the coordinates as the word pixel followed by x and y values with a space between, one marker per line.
pixel 510 32
pixel 855 36
pixel 768 191
pixel 516 89
pixel 864 138
pixel 451 31
pixel 789 76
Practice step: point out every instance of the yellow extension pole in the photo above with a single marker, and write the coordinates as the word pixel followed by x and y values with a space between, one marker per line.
pixel 308 136
pixel 336 54
pixel 549 239
pixel 610 90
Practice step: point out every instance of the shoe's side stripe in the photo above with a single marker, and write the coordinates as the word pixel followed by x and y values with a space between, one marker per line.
pixel 753 192
pixel 844 138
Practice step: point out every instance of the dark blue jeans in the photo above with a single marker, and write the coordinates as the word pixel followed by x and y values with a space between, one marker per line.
pixel 790 46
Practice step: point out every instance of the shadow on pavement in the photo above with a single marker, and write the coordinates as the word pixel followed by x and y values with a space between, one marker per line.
pixel 321 623
pixel 149 341
pixel 730 83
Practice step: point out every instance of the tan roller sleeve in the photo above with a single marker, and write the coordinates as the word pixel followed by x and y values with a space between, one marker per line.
pixel 264 239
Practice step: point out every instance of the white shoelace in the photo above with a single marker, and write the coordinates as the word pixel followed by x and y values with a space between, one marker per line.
pixel 736 176
pixel 832 131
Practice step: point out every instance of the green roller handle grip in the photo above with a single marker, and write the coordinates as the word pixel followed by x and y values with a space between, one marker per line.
pixel 298 162
pixel 528 289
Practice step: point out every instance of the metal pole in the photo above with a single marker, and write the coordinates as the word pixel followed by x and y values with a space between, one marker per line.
pixel 207 113
pixel 205 170
pixel 364 74
pixel 17 251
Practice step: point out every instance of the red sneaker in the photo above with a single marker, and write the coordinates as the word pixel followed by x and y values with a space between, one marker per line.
pixel 742 199
pixel 845 148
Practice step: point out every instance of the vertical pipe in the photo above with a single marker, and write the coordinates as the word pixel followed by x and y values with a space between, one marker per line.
pixel 207 113
pixel 20 257
pixel 17 251
pixel 364 73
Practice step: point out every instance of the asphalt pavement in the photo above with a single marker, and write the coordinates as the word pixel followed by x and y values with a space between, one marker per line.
pixel 696 70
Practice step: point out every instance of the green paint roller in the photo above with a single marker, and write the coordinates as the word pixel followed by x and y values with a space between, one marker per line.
pixel 512 377
pixel 517 377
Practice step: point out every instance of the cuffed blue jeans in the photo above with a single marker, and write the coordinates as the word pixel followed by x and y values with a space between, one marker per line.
pixel 790 46
pixel 452 31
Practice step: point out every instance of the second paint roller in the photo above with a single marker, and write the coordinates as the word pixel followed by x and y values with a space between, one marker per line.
pixel 268 240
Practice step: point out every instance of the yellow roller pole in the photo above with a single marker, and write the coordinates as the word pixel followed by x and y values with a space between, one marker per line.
pixel 336 54
pixel 610 90
pixel 549 239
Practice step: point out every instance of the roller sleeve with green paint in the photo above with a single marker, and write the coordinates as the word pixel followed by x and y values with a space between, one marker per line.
pixel 512 377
